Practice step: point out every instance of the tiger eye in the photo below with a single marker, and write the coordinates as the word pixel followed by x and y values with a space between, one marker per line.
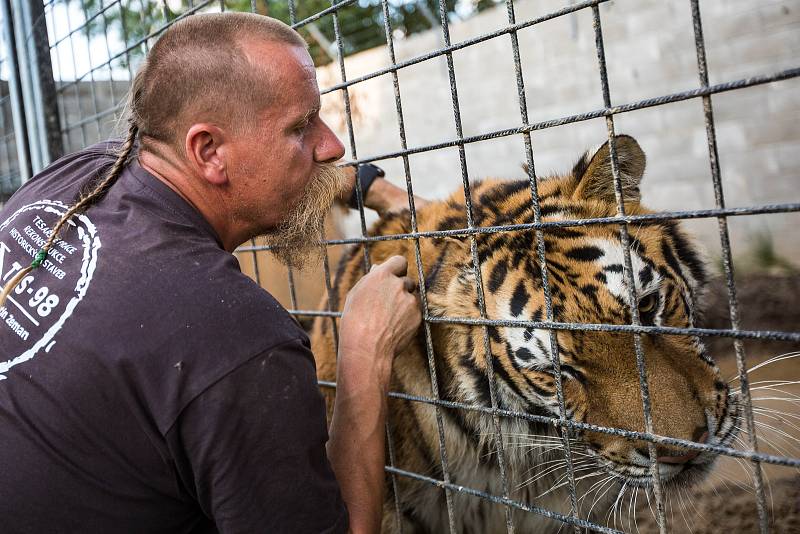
pixel 648 303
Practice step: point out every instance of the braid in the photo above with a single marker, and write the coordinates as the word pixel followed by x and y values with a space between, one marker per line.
pixel 86 200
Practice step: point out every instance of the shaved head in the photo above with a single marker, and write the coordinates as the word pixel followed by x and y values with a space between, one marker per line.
pixel 203 70
pixel 226 110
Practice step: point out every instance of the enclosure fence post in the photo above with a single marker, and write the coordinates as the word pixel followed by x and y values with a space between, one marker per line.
pixel 38 86
pixel 15 91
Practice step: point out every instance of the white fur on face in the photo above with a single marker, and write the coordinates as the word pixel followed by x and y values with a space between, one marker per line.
pixel 646 279
pixel 530 346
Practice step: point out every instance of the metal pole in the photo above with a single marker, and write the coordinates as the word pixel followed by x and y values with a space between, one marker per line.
pixel 15 91
pixel 38 86
pixel 46 86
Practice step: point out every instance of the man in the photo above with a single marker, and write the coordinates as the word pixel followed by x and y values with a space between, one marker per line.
pixel 146 385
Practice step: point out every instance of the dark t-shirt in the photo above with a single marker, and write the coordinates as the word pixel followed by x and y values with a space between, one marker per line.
pixel 146 384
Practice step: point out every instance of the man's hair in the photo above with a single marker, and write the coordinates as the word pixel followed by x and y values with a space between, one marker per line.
pixel 197 71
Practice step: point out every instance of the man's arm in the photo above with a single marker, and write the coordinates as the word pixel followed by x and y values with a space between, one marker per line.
pixel 250 449
pixel 380 318
pixel 383 196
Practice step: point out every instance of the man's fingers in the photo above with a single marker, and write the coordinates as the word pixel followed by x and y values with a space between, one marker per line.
pixel 409 284
pixel 397 265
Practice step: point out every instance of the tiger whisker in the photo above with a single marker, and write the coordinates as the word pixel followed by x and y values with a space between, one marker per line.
pixel 777 431
pixel 562 484
pixel 744 465
pixel 562 481
pixel 778 417
pixel 776 387
pixel 553 469
pixel 793 401
pixel 613 507
pixel 562 461
pixel 789 440
pixel 774 359
pixel 559 462
pixel 523 435
pixel 533 448
pixel 537 442
pixel 697 511
pixel 769 410
pixel 649 503
pixel 600 496
pixel 595 484
pixel 769 441
pixel 537 437
pixel 543 449
pixel 789 396
pixel 667 501
pixel 632 508
pixel 747 469
pixel 774 382
pixel 621 509
pixel 631 495
pixel 682 508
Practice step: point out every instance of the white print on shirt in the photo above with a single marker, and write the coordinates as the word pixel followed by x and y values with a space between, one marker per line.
pixel 32 311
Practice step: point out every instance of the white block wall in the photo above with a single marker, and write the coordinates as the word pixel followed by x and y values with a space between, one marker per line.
pixel 649 52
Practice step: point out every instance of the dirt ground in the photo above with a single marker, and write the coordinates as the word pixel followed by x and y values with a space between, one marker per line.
pixel 726 502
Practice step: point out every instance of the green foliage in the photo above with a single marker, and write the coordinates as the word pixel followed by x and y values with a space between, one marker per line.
pixel 361 24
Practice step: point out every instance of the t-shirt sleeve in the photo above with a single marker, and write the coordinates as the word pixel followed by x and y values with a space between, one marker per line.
pixel 251 448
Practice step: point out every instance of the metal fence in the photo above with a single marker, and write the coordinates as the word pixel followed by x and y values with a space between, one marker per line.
pixel 51 116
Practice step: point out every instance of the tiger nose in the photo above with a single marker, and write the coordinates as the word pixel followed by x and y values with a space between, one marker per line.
pixel 670 456
pixel 689 455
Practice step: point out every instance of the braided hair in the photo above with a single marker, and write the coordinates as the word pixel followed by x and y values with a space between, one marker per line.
pixel 85 200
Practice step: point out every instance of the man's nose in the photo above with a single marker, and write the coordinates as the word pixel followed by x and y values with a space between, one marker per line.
pixel 329 148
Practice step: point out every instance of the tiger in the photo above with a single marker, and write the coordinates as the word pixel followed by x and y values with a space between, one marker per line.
pixel 600 382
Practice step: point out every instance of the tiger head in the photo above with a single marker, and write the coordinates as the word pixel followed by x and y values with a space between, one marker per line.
pixel 586 278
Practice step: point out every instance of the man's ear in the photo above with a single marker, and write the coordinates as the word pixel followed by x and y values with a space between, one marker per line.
pixel 594 178
pixel 205 152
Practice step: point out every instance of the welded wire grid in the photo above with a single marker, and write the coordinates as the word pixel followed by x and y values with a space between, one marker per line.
pixel 81 126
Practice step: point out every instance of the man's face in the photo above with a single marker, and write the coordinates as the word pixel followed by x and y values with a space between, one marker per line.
pixel 278 158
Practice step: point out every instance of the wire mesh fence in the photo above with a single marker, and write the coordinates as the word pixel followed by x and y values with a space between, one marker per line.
pixel 95 47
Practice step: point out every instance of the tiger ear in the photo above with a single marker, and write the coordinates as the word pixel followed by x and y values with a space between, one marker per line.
pixel 593 175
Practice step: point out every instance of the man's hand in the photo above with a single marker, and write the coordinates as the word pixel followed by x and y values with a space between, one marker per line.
pixel 380 318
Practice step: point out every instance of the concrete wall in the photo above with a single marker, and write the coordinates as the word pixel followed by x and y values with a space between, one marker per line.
pixel 650 52
pixel 77 103
pixel 89 111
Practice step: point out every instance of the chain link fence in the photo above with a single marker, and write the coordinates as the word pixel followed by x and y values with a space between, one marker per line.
pixel 66 66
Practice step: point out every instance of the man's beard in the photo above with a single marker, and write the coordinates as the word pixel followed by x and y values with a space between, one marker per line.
pixel 297 240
